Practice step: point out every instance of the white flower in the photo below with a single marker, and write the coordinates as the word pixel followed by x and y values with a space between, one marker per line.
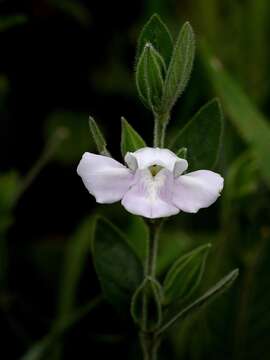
pixel 152 185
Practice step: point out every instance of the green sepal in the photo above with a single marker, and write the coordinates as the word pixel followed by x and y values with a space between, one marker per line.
pixel 149 77
pixel 204 132
pixel 182 153
pixel 130 139
pixel 179 69
pixel 146 305
pixel 156 33
pixel 98 137
pixel 185 275
pixel 119 270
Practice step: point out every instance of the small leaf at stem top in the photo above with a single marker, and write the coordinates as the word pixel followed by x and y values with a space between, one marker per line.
pixel 149 77
pixel 179 69
pixel 130 139
pixel 156 33
pixel 98 137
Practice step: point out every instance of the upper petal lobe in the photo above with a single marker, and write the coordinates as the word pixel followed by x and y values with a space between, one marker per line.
pixel 146 157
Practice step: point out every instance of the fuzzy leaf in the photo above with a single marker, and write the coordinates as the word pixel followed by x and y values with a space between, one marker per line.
pixel 98 137
pixel 180 68
pixel 118 268
pixel 156 33
pixel 215 291
pixel 146 305
pixel 149 77
pixel 185 274
pixel 130 139
pixel 204 132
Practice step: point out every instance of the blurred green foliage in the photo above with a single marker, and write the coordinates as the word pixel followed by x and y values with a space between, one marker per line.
pixel 80 140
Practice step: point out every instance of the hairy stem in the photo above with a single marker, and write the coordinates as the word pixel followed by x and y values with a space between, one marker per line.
pixel 161 122
pixel 151 256
pixel 150 345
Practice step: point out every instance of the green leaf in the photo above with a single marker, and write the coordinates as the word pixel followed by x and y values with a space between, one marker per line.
pixel 215 291
pixel 98 137
pixel 202 136
pixel 130 139
pixel 119 270
pixel 149 77
pixel 146 308
pixel 179 69
pixel 250 123
pixel 156 33
pixel 185 275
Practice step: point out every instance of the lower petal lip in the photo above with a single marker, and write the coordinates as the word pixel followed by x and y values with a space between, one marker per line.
pixel 150 196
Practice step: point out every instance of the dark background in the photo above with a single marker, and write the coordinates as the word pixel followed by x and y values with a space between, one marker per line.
pixel 63 60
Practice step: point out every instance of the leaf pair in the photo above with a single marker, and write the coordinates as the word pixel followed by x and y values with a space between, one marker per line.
pixel 120 272
pixel 204 131
pixel 146 305
pixel 163 69
pixel 130 139
pixel 182 279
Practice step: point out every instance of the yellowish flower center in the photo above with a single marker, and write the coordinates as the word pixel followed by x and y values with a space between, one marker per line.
pixel 154 169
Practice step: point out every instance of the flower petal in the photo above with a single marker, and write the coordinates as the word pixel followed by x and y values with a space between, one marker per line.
pixel 196 190
pixel 151 196
pixel 104 177
pixel 145 157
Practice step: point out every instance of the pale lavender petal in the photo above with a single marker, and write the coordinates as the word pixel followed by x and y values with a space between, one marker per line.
pixel 196 190
pixel 151 196
pixel 105 178
pixel 145 157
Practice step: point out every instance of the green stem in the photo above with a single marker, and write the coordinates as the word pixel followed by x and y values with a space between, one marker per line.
pixel 161 122
pixel 149 340
pixel 150 346
pixel 151 256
